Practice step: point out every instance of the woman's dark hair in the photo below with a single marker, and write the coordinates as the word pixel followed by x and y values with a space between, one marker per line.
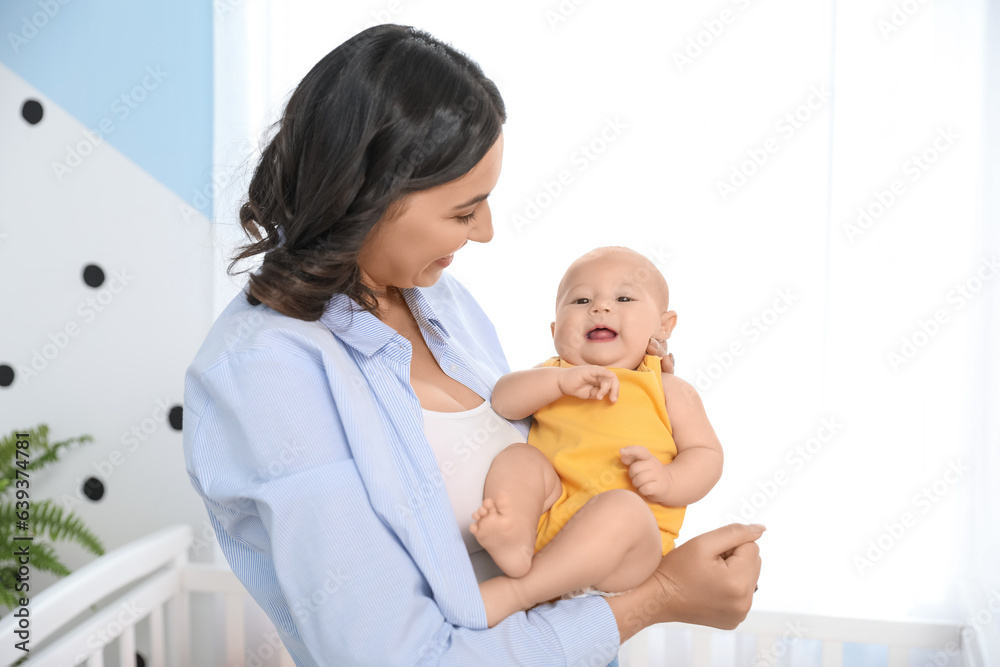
pixel 389 112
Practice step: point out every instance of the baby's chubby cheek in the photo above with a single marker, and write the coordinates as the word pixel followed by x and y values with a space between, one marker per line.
pixel 569 351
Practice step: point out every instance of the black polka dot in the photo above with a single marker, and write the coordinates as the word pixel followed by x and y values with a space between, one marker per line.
pixel 31 110
pixel 93 275
pixel 176 417
pixel 6 375
pixel 93 488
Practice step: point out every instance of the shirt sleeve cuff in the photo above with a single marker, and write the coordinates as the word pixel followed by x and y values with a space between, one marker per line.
pixel 587 630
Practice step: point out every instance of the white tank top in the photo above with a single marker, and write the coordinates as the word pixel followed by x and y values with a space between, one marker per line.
pixel 464 444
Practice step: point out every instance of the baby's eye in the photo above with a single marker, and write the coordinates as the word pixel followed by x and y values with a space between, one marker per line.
pixel 583 298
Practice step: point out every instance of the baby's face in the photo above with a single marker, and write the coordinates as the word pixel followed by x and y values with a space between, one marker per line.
pixel 607 312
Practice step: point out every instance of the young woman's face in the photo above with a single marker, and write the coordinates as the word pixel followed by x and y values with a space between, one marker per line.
pixel 413 249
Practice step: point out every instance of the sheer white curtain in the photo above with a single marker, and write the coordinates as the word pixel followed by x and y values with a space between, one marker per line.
pixel 810 178
pixel 981 586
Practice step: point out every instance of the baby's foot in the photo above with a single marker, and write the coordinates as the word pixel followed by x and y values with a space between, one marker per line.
pixel 497 530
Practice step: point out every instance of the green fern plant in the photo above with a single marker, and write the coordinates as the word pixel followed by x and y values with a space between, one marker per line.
pixel 46 517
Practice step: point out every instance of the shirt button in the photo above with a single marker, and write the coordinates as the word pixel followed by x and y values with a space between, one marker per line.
pixel 453 368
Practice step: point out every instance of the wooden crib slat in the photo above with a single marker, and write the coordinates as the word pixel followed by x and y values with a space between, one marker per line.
pixel 701 649
pixel 234 630
pixel 96 659
pixel 64 650
pixel 765 642
pixel 180 621
pixel 637 651
pixel 899 656
pixel 126 647
pixel 158 657
pixel 206 578
pixel 973 649
pixel 54 608
pixel 833 654
pixel 902 632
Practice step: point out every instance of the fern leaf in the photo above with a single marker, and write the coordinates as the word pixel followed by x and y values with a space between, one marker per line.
pixel 42 453
pixel 48 516
pixel 51 452
pixel 8 591
pixel 44 559
pixel 7 598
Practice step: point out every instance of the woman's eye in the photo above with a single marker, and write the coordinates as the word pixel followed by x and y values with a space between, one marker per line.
pixel 466 219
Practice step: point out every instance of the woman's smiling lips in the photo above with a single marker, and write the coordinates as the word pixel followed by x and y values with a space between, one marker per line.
pixel 445 261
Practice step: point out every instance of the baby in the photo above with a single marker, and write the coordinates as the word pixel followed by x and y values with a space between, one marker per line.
pixel 595 473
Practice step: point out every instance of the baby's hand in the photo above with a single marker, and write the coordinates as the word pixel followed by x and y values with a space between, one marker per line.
pixel 588 382
pixel 649 477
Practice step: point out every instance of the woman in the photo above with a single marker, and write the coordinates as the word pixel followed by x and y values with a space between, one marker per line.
pixel 303 430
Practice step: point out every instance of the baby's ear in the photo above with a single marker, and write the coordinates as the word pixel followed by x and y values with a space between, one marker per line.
pixel 553 328
pixel 668 321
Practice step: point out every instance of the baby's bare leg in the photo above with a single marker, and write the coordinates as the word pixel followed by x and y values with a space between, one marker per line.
pixel 612 543
pixel 520 485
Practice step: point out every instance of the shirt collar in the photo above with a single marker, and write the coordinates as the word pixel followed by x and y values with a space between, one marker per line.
pixel 365 332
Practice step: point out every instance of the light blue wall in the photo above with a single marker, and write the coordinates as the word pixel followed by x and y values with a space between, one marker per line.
pixel 86 54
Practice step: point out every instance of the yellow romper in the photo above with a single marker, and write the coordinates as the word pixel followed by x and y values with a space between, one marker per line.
pixel 581 438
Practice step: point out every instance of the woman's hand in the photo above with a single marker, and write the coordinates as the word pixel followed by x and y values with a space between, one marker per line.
pixel 588 382
pixel 659 348
pixel 708 580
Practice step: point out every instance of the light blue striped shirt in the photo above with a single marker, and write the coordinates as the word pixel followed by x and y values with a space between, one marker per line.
pixel 306 442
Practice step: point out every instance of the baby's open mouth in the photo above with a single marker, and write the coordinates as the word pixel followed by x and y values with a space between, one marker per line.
pixel 601 333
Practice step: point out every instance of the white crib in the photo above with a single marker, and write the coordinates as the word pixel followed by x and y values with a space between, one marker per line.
pixel 146 586
pixel 142 594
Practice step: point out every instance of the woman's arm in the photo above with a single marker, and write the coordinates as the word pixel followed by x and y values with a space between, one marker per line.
pixel 264 448
pixel 708 580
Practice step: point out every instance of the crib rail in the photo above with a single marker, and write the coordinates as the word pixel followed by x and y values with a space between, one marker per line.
pixel 56 607
pixel 151 581
pixel 774 631
pixel 99 605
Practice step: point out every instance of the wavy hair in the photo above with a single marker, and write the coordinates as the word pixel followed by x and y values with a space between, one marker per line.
pixel 389 112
